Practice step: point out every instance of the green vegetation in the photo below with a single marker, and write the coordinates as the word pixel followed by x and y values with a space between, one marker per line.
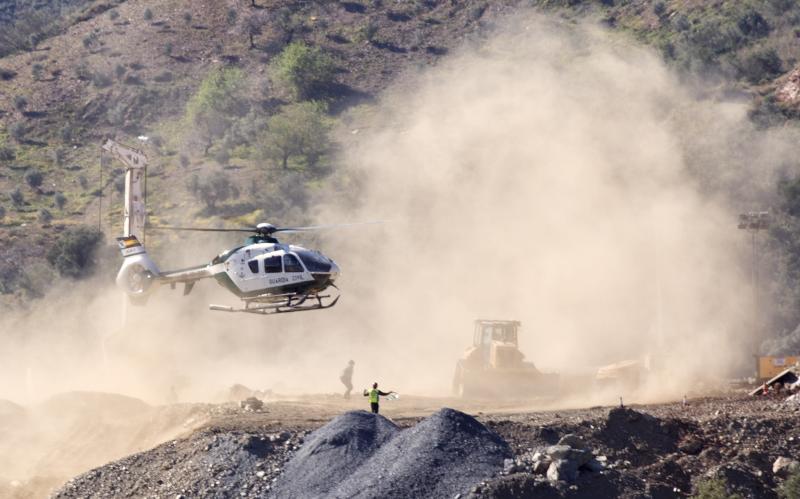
pixel 790 488
pixel 147 15
pixel 297 137
pixel 305 72
pixel 73 254
pixel 34 178
pixel 60 200
pixel 16 197
pixel 215 189
pixel 20 103
pixel 714 488
pixel 212 108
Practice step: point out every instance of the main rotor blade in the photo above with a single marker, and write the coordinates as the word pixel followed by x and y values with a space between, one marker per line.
pixel 322 227
pixel 196 229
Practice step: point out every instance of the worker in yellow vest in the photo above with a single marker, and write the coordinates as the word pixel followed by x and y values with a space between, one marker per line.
pixel 374 396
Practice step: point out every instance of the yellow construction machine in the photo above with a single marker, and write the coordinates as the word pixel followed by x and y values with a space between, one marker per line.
pixel 494 367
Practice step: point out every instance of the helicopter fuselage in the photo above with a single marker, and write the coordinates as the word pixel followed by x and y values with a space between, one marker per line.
pixel 273 268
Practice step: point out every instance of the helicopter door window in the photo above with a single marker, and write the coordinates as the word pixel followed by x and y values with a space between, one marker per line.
pixel 272 265
pixel 292 264
pixel 253 264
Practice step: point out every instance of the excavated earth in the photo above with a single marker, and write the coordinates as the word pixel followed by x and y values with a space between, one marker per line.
pixel 324 447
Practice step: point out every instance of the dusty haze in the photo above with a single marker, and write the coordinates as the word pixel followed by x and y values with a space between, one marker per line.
pixel 553 174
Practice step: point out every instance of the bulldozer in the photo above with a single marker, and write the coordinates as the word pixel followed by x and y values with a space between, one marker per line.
pixel 494 367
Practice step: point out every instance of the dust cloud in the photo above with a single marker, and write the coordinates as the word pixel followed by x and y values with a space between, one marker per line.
pixel 553 173
pixel 559 176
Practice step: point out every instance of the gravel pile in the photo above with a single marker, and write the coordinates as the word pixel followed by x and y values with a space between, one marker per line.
pixel 364 455
pixel 208 464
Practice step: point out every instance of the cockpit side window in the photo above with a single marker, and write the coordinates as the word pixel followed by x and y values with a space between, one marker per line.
pixel 272 265
pixel 292 264
pixel 253 264
pixel 314 261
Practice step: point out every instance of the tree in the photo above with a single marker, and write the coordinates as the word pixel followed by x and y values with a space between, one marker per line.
pixel 298 134
pixel 304 71
pixel 789 489
pixel 209 110
pixel 73 252
pixel 45 217
pixel 216 188
pixel 147 14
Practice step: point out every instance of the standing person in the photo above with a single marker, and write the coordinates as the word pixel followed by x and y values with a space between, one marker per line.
pixel 374 396
pixel 347 379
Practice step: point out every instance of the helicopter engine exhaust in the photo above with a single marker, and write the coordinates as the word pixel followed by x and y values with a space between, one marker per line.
pixel 138 272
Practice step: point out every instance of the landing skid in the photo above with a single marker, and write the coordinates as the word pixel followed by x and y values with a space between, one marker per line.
pixel 281 304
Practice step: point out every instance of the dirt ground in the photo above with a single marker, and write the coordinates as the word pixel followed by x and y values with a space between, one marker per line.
pixel 655 450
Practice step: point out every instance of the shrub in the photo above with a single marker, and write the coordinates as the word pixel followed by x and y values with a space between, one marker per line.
pixel 789 489
pixel 753 24
pixel 2 211
pixel 659 9
pixel 16 197
pixel 101 80
pixel 193 184
pixel 20 103
pixel 72 255
pixel 36 71
pixel 34 178
pixel 304 71
pixel 58 156
pixel 759 65
pixel 714 488
pixel 367 32
pixel 168 49
pixel 82 71
pixel 119 71
pixel 187 17
pixel 60 200
pixel 113 15
pixel 45 217
pixel 231 16
pixel 164 76
pixel 147 15
pixel 7 74
pixel 184 160
pixel 7 154
pixel 17 131
pixel 83 182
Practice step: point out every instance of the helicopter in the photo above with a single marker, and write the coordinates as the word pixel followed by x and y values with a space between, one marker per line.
pixel 268 276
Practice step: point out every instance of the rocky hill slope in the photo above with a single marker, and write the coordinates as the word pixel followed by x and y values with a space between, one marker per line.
pixel 132 68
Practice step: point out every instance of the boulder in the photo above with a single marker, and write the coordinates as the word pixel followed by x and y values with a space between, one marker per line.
pixel 573 441
pixel 783 466
pixel 562 469
pixel 558 451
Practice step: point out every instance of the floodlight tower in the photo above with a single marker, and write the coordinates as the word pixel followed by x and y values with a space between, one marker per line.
pixel 754 222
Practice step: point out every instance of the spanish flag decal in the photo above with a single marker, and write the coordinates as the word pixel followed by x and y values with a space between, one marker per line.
pixel 129 245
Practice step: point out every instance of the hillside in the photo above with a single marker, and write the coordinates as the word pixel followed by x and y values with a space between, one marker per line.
pixel 133 69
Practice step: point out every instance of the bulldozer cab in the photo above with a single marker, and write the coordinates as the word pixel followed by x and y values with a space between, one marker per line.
pixel 501 331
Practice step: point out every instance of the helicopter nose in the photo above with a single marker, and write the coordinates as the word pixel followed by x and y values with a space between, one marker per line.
pixel 334 272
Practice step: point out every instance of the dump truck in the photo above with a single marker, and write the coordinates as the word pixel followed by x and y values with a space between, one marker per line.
pixel 494 367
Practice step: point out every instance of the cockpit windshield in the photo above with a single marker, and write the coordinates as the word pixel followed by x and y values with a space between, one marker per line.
pixel 314 261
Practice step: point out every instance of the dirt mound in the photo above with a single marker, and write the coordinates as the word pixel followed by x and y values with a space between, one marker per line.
pixel 364 455
pixel 641 434
pixel 94 404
